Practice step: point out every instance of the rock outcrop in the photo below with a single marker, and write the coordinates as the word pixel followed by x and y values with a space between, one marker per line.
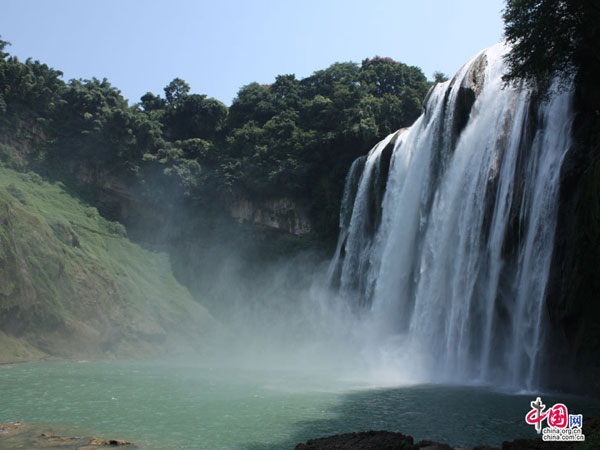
pixel 386 440
pixel 21 435
pixel 281 214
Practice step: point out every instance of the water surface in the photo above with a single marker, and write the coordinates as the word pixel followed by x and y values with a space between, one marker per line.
pixel 160 405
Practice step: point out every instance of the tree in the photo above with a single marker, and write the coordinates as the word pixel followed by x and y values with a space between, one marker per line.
pixel 30 89
pixel 286 90
pixel 3 45
pixel 175 90
pixel 93 123
pixel 439 77
pixel 551 38
pixel 151 102
pixel 195 116
pixel 253 103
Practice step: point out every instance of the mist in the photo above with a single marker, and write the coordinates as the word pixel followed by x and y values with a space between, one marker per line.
pixel 279 312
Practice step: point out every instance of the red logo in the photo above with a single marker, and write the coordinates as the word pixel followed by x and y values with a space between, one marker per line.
pixel 560 424
pixel 558 416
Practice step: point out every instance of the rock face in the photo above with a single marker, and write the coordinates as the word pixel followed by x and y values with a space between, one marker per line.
pixel 281 214
pixel 470 87
pixel 574 289
pixel 111 191
pixel 119 199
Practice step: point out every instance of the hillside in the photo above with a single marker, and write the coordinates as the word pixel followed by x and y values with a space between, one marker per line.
pixel 72 284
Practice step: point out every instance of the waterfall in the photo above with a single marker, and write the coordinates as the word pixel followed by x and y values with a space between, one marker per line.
pixel 447 228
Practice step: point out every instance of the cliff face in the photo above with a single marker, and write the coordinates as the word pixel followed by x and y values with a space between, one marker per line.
pixel 572 350
pixel 118 197
pixel 279 214
pixel 574 288
pixel 72 284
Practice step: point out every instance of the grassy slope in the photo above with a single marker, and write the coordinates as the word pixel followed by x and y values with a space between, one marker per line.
pixel 71 283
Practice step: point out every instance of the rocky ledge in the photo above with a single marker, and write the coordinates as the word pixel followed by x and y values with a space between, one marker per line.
pixel 386 440
pixel 24 436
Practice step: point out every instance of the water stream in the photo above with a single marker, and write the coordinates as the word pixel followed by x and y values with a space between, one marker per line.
pixel 451 269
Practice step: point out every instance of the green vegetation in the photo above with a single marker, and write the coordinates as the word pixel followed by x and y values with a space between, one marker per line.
pixel 299 137
pixel 439 77
pixel 70 280
pixel 551 38
pixel 292 138
pixel 72 284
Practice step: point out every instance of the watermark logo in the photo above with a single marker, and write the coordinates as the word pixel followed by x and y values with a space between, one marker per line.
pixel 560 425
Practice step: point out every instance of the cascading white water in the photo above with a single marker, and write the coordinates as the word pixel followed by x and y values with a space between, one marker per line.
pixel 453 261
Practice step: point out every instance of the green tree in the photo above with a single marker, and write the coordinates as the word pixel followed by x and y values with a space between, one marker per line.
pixel 151 102
pixel 3 45
pixel 299 137
pixel 551 38
pixel 253 103
pixel 286 91
pixel 439 77
pixel 176 90
pixel 194 116
pixel 94 124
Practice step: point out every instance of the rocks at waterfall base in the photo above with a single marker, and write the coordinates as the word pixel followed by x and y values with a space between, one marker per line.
pixel 365 440
pixel 25 436
pixel 386 440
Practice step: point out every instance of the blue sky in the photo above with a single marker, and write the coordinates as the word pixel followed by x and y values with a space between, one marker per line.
pixel 219 46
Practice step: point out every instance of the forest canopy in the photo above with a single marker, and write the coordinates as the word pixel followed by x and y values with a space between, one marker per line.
pixel 293 137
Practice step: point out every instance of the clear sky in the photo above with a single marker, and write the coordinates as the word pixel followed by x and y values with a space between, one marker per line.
pixel 219 46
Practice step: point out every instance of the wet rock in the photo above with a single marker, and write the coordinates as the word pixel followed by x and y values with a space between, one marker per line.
pixel 11 428
pixel 482 447
pixel 536 444
pixel 430 445
pixel 366 440
pixel 470 87
pixel 113 442
pixel 379 183
pixel 20 435
pixel 385 440
pixel 50 440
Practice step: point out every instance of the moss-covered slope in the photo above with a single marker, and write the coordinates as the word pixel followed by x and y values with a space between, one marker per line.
pixel 72 284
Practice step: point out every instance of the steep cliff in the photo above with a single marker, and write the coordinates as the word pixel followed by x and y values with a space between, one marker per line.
pixel 574 287
pixel 279 214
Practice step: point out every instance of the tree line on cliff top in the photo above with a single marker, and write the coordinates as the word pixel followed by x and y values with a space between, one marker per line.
pixel 294 138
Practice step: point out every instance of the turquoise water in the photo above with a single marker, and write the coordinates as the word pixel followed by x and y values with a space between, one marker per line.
pixel 160 405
